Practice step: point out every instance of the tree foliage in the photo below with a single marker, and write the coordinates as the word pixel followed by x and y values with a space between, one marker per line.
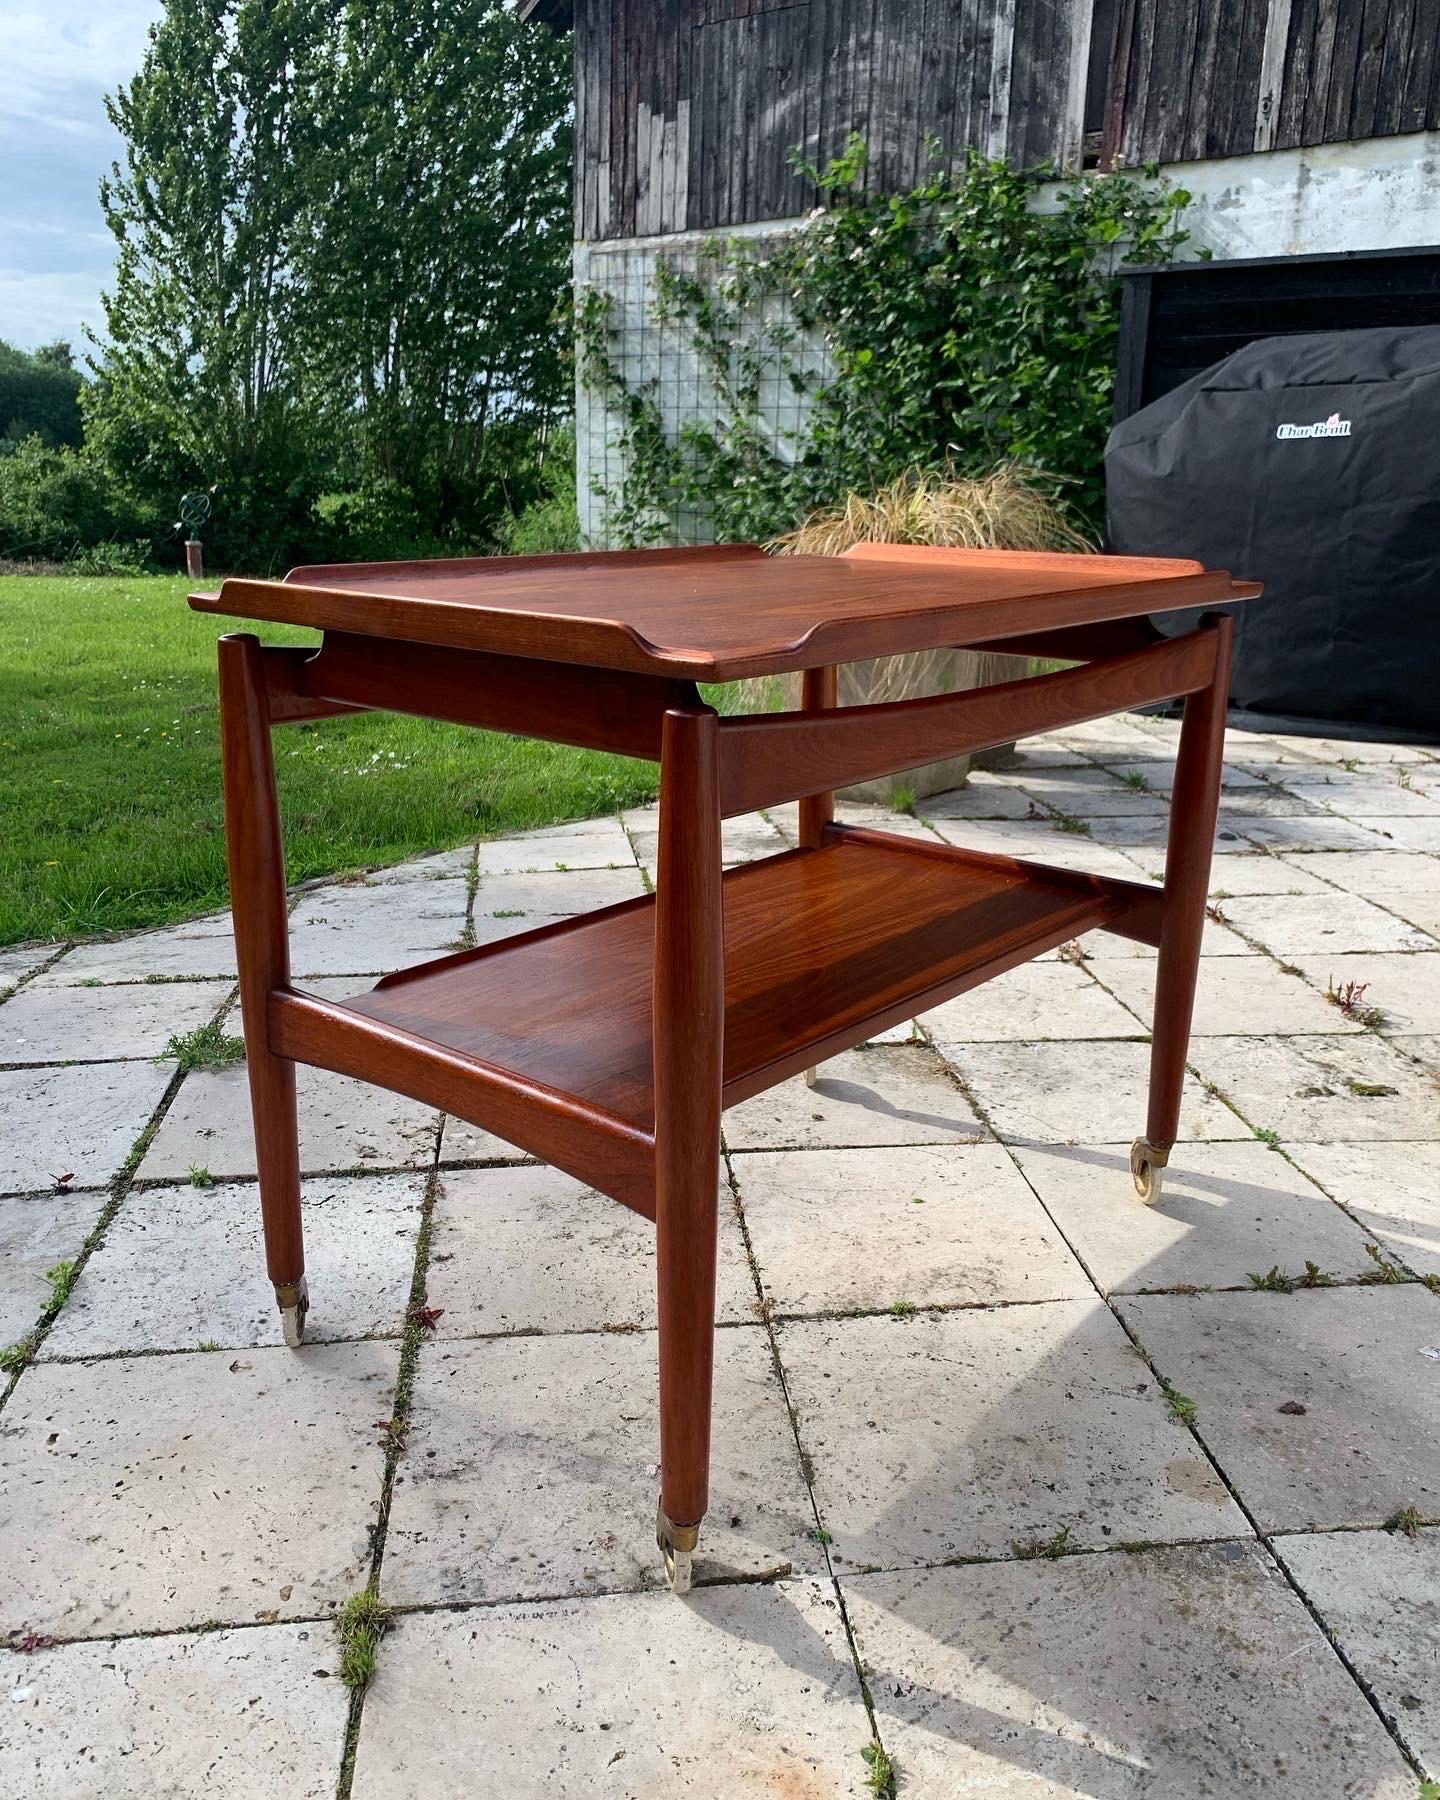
pixel 39 395
pixel 442 244
pixel 341 240
pixel 967 324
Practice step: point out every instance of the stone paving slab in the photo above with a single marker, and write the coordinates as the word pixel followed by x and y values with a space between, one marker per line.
pixel 1294 927
pixel 63 1024
pixel 858 1230
pixel 200 949
pixel 37 1231
pixel 1047 1094
pixel 1039 1000
pixel 1393 1189
pixel 532 1471
pixel 529 1249
pixel 1094 794
pixel 1371 873
pixel 1416 909
pixel 1039 842
pixel 184 1267
pixel 344 1124
pixel 891 1094
pixel 368 929
pixel 969 1433
pixel 1236 997
pixel 736 1691
pixel 1378 1592
pixel 1320 831
pixel 1399 834
pixel 81 1121
pixel 530 899
pixel 1226 1211
pixel 585 844
pixel 1368 1442
pixel 1406 988
pixel 1357 798
pixel 152 1493
pixel 22 961
pixel 1324 1088
pixel 1181 1672
pixel 1215 941
pixel 232 1715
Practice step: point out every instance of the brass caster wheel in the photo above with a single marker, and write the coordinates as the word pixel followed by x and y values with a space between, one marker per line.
pixel 293 1299
pixel 677 1545
pixel 1147 1167
pixel 810 1077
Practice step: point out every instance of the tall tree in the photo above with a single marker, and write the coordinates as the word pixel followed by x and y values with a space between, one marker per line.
pixel 203 379
pixel 442 240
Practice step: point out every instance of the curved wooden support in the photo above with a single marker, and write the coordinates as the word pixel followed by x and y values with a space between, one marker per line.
pixel 769 759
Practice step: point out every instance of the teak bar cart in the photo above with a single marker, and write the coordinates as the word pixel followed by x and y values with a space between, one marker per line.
pixel 608 1045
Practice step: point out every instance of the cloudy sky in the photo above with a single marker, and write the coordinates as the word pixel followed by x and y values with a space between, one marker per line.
pixel 56 63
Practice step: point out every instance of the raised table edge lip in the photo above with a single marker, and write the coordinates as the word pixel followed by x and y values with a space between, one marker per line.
pixel 613 643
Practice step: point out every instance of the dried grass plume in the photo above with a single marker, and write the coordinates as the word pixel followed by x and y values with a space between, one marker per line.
pixel 1001 511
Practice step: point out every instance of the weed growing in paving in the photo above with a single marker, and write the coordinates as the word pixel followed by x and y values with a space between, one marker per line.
pixel 1052 1546
pixel 360 1624
pixel 1068 823
pixel 1272 1282
pixel 881 1776
pixel 1405 1519
pixel 207 1047
pixel 1349 998
pixel 1182 1407
pixel 200 1176
pixel 903 800
pixel 14 1357
pixel 1385 1273
pixel 1268 1137
pixel 902 1309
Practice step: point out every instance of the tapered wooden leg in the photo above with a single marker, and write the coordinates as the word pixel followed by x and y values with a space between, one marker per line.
pixel 689 1010
pixel 1194 807
pixel 262 948
pixel 819 688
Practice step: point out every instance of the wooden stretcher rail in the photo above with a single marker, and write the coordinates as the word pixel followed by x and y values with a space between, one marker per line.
pixel 594 709
pixel 788 756
pixel 1140 908
pixel 586 1141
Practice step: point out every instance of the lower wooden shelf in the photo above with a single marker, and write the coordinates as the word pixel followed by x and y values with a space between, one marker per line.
pixel 822 948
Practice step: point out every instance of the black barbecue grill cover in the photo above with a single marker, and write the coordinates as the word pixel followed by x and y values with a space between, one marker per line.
pixel 1311 463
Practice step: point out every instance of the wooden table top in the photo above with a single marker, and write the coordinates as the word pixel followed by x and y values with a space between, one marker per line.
pixel 724 612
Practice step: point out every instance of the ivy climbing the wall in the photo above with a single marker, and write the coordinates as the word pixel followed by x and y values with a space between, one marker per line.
pixel 969 324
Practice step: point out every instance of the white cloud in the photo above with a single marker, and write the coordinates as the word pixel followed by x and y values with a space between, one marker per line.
pixel 55 144
pixel 60 62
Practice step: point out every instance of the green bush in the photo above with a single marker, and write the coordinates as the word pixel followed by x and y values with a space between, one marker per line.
pixel 39 396
pixel 54 503
pixel 968 324
pixel 549 525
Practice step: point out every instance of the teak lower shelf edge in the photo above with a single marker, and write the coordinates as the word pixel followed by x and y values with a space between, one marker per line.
pixel 822 948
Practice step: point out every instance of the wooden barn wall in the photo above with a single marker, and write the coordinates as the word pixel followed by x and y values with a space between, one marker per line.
pixel 1214 78
pixel 688 111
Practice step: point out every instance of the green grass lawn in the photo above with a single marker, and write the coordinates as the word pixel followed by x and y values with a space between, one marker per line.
pixel 110 803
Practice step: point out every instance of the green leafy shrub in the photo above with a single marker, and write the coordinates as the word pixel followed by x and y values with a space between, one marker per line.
pixel 549 525
pixel 971 322
pixel 55 502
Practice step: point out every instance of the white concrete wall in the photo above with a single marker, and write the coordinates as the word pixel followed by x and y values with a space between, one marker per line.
pixel 1381 194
